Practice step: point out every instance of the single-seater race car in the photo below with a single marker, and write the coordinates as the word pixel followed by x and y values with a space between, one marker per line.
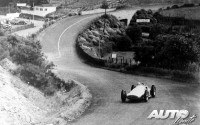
pixel 141 91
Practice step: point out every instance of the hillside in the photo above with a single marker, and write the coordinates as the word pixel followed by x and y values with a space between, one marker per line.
pixel 92 2
pixel 133 2
pixel 161 1
pixel 188 13
pixel 4 3
pixel 22 104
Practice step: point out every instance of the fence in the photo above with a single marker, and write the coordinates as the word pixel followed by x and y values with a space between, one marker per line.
pixel 122 61
pixel 22 27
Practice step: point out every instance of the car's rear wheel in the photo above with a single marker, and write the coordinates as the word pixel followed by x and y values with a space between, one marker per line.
pixel 153 91
pixel 132 87
pixel 146 97
pixel 123 96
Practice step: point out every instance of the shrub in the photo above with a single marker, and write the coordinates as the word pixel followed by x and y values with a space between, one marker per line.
pixel 134 32
pixel 1 33
pixel 34 75
pixel 168 8
pixel 174 7
pixel 3 53
pixel 107 47
pixel 157 29
pixel 188 5
pixel 177 51
pixel 121 43
pixel 143 14
pixel 26 54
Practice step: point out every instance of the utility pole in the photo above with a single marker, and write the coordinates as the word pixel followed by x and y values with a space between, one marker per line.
pixel 105 6
pixel 33 9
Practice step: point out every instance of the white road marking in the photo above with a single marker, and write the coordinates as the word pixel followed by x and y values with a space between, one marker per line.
pixel 65 31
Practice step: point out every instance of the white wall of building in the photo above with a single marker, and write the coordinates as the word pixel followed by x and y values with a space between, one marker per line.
pixel 12 16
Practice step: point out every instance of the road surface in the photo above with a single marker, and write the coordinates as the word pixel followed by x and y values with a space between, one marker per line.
pixel 58 44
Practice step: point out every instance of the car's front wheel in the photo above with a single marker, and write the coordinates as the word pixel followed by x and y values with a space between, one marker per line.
pixel 123 96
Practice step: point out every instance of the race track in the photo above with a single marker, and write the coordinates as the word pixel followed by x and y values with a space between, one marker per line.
pixel 58 44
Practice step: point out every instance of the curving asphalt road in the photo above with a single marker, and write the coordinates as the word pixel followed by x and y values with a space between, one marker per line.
pixel 58 44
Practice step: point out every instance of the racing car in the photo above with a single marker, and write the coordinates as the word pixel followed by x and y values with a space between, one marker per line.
pixel 139 92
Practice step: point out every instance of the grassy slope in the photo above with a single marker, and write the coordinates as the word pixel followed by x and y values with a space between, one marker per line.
pixel 4 2
pixel 161 1
pixel 91 2
pixel 189 13
pixel 133 2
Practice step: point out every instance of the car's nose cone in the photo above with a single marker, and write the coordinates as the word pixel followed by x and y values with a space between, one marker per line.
pixel 132 97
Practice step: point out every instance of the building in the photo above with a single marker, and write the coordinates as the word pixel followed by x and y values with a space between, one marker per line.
pixel 12 16
pixel 41 10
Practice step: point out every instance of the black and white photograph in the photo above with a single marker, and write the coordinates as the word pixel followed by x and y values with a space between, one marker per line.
pixel 99 62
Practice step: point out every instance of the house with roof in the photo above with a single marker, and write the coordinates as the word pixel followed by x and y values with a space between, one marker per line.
pixel 41 10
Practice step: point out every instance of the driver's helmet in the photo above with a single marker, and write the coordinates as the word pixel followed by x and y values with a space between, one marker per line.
pixel 139 83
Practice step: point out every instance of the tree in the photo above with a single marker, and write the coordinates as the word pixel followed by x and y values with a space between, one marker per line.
pixel 121 43
pixel 105 5
pixel 176 51
pixel 157 29
pixel 134 32
pixel 143 14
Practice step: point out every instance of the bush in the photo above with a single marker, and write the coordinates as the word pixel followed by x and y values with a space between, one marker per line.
pixel 3 53
pixel 34 75
pixel 143 14
pixel 106 48
pixel 4 49
pixel 188 5
pixel 174 7
pixel 134 32
pixel 1 33
pixel 168 8
pixel 34 69
pixel 157 29
pixel 121 43
pixel 177 51
pixel 26 54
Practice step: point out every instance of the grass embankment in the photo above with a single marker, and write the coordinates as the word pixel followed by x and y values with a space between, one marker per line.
pixel 33 68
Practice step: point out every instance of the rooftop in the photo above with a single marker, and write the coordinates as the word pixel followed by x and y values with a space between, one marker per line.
pixel 46 5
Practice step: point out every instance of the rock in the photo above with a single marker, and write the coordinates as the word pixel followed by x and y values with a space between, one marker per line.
pixel 91 36
pixel 85 35
pixel 118 31
pixel 82 40
pixel 86 47
pixel 111 31
pixel 96 33
pixel 102 41
pixel 89 32
pixel 95 42
pixel 97 39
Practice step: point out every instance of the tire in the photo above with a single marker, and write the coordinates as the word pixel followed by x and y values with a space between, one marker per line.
pixel 146 98
pixel 153 91
pixel 123 96
pixel 132 87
